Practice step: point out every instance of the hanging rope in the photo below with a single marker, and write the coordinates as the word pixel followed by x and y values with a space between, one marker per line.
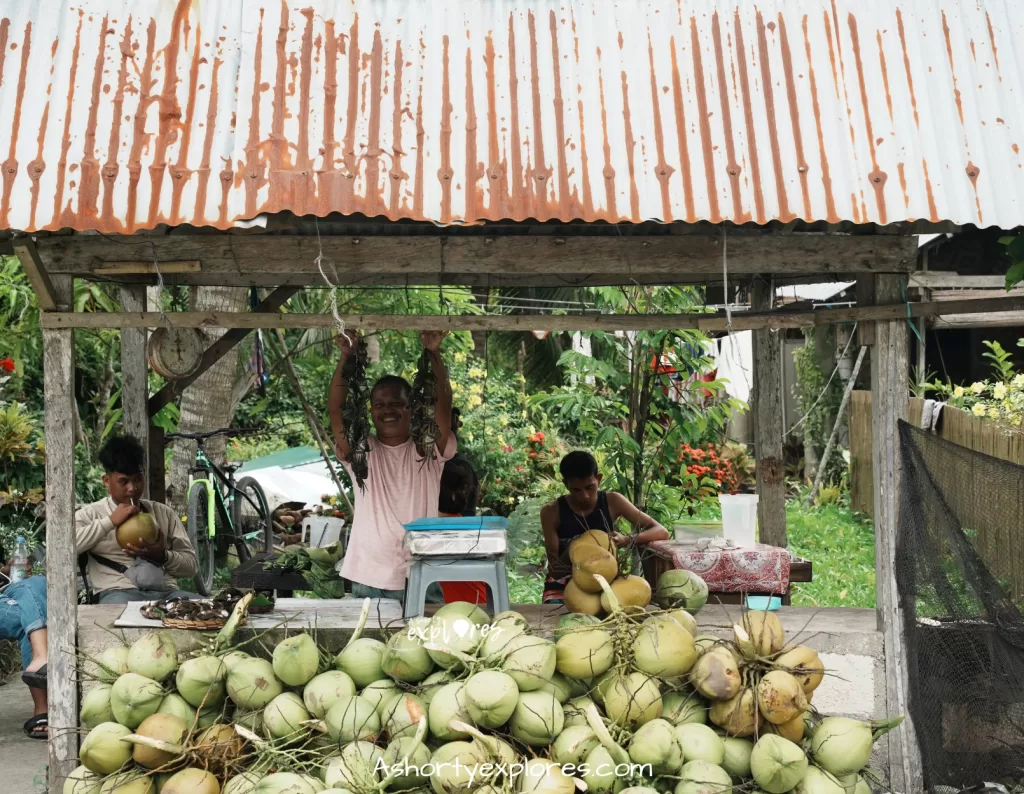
pixel 338 321
pixel 725 277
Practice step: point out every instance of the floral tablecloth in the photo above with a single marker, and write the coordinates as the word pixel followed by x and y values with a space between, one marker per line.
pixel 760 569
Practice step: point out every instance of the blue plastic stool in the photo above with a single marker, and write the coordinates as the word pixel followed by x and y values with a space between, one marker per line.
pixel 424 571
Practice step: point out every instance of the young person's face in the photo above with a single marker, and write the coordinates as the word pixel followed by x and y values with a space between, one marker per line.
pixel 391 414
pixel 124 488
pixel 583 492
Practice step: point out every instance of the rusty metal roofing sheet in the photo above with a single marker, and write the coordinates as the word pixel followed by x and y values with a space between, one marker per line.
pixel 124 114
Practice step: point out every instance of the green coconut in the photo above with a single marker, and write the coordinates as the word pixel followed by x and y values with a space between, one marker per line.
pixel 82 780
pixel 573 744
pixel 288 783
pixel 430 685
pixel 360 661
pixel 633 700
pixel 656 743
pixel 818 781
pixel 252 684
pixel 584 653
pixel 253 720
pixel 702 777
pixel 448 704
pixel 210 716
pixel 476 614
pixel 684 707
pixel 102 750
pixel 490 698
pixel 681 589
pixel 575 711
pixel 700 743
pixel 530 661
pixel 284 716
pixel 353 719
pixel 177 705
pixel 133 698
pixel 450 634
pixel 244 783
pixel 326 689
pixel 455 767
pixel 130 782
pixel 355 768
pixel 379 692
pixel 842 746
pixel 412 757
pixel 500 633
pixel 563 688
pixel 600 771
pixel 537 718
pixel 153 656
pixel 402 715
pixel 776 764
pixel 111 663
pixel 405 658
pixel 663 648
pixel 96 707
pixel 233 658
pixel 737 756
pixel 192 781
pixel 541 776
pixel 296 660
pixel 201 681
pixel 573 621
pixel 685 619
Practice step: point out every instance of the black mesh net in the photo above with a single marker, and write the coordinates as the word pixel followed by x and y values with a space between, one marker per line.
pixel 960 576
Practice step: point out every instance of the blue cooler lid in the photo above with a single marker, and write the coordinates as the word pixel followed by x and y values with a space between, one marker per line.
pixel 457 524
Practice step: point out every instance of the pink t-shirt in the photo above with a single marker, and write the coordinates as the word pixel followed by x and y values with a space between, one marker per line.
pixel 400 487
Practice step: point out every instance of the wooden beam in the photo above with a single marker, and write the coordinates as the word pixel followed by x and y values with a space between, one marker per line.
pixel 36 273
pixel 134 369
pixel 147 268
pixel 866 297
pixel 259 259
pixel 61 563
pixel 710 321
pixel 937 279
pixel 155 459
pixel 770 471
pixel 215 352
pixel 890 393
pixel 946 322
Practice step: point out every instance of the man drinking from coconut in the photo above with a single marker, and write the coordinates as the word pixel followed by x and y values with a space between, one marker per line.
pixel 587 507
pixel 401 485
pixel 132 568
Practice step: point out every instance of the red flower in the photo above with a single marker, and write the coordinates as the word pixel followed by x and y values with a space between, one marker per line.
pixel 540 436
pixel 7 364
pixel 533 454
pixel 507 448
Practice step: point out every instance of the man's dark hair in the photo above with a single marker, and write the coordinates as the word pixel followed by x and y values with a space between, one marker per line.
pixel 393 380
pixel 123 454
pixel 578 465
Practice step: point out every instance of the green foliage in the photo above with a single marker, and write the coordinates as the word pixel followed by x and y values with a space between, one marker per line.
pixel 1000 399
pixel 820 414
pixel 1015 251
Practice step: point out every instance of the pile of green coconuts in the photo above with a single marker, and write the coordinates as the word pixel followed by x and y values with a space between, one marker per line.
pixel 461 703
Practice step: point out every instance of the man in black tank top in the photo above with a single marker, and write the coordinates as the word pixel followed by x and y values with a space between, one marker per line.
pixel 585 507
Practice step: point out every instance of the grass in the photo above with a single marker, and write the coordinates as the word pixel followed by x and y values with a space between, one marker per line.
pixel 839 542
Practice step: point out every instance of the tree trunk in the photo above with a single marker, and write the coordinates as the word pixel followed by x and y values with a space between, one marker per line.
pixel 208 403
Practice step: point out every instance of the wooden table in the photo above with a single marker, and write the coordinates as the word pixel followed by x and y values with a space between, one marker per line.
pixel 800 570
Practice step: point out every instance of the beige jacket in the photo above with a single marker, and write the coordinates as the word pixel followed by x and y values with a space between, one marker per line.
pixel 94 532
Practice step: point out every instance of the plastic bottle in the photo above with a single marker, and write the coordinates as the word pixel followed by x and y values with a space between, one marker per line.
pixel 20 565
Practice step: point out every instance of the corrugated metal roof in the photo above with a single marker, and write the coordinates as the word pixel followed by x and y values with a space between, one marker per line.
pixel 124 115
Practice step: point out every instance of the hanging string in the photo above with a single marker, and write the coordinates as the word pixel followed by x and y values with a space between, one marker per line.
pixel 338 321
pixel 725 277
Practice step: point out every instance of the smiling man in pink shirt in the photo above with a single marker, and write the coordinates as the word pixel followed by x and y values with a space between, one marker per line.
pixel 401 486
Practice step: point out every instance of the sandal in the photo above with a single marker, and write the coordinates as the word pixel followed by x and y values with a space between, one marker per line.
pixel 37 727
pixel 36 679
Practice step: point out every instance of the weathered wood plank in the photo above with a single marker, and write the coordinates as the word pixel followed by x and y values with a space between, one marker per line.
pixel 861 468
pixel 147 268
pixel 291 259
pixel 770 471
pixel 134 369
pixel 937 279
pixel 215 352
pixel 890 378
pixel 62 586
pixel 157 469
pixel 36 274
pixel 710 321
pixel 986 320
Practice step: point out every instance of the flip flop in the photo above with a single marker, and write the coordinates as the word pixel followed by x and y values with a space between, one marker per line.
pixel 36 679
pixel 32 727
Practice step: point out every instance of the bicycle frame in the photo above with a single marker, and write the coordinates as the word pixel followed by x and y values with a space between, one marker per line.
pixel 214 495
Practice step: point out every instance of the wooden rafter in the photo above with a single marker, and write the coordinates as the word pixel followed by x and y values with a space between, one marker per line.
pixel 741 321
pixel 215 352
pixel 36 273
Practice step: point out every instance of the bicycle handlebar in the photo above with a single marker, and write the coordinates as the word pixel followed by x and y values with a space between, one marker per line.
pixel 227 432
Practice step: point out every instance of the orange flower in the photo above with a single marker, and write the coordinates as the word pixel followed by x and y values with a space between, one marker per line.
pixel 7 364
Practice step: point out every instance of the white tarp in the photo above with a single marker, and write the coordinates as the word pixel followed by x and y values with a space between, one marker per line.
pixel 734 358
pixel 292 485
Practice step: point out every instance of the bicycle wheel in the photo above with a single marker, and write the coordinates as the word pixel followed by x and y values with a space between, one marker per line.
pixel 254 531
pixel 199 535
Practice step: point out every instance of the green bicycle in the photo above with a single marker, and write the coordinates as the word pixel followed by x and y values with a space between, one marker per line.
pixel 223 512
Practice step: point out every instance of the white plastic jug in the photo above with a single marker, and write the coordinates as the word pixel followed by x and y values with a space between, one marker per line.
pixel 739 518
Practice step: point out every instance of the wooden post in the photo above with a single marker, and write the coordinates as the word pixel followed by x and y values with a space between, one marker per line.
pixel 157 469
pixel 890 392
pixel 134 370
pixel 62 585
pixel 768 429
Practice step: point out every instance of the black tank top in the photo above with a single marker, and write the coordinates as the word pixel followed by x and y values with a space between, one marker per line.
pixel 571 525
